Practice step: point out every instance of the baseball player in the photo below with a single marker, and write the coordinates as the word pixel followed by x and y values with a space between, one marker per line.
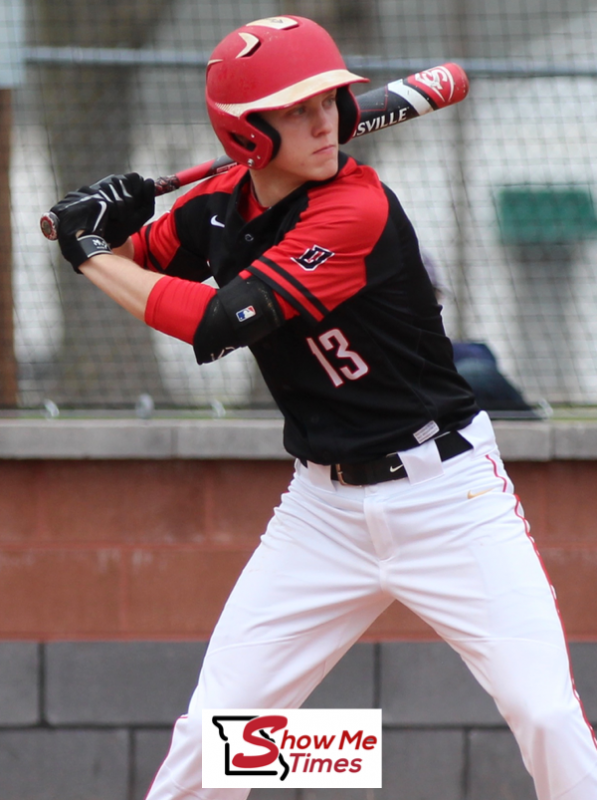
pixel 399 490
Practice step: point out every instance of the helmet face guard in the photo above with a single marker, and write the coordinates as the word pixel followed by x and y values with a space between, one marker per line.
pixel 270 64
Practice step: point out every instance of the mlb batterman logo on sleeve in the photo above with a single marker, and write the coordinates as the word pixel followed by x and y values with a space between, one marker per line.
pixel 245 313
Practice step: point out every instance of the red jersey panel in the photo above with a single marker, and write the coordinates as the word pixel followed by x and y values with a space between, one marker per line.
pixel 321 262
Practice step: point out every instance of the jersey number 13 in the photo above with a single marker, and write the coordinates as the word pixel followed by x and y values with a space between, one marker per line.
pixel 335 342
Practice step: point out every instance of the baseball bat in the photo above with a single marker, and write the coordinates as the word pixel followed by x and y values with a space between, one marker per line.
pixel 398 101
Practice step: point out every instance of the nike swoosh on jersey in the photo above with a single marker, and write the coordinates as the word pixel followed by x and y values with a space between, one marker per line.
pixel 470 495
pixel 395 469
pixel 216 222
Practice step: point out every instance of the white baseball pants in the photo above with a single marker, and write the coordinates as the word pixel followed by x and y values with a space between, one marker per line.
pixel 451 543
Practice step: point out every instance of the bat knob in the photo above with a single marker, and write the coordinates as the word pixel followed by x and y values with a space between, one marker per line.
pixel 49 226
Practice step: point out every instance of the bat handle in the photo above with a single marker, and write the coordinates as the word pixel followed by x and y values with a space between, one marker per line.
pixel 49 226
pixel 166 184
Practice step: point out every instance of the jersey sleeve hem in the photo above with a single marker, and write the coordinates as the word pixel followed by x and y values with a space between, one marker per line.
pixel 288 287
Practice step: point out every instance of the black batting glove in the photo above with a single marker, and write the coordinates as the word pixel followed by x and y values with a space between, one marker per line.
pixel 103 214
pixel 131 200
pixel 115 207
pixel 80 220
pixel 78 249
pixel 75 243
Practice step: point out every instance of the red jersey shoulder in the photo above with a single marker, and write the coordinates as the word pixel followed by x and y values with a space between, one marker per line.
pixel 322 261
pixel 354 206
pixel 345 216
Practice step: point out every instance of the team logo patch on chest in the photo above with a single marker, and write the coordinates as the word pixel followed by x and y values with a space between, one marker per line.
pixel 313 257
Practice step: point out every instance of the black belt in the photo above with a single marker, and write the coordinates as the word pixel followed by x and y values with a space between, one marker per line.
pixel 391 468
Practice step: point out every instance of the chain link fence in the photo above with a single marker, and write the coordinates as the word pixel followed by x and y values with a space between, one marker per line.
pixel 500 188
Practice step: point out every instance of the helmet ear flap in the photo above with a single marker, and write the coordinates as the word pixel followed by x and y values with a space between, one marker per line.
pixel 348 114
pixel 257 121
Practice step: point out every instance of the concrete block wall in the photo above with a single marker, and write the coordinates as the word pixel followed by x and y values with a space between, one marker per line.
pixel 92 720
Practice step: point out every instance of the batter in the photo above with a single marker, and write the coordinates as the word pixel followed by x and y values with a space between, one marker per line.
pixel 399 491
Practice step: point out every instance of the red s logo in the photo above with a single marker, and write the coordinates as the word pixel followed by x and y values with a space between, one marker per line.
pixel 274 723
pixel 438 82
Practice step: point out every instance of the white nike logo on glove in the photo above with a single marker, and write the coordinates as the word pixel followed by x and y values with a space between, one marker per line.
pixel 215 221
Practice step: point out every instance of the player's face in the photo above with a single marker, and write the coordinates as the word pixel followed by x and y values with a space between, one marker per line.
pixel 309 148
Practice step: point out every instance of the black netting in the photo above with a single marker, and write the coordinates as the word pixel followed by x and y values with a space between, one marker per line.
pixel 500 187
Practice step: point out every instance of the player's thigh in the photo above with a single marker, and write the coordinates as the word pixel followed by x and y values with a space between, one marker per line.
pixel 474 574
pixel 466 561
pixel 308 592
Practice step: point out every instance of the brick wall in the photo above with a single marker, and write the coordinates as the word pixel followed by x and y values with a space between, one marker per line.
pixel 141 549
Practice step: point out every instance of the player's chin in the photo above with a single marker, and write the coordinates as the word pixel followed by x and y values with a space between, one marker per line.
pixel 324 165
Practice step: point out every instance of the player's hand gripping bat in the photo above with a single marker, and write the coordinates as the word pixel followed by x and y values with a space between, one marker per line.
pixel 396 102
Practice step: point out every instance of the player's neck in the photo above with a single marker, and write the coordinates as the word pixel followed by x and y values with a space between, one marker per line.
pixel 269 186
pixel 255 199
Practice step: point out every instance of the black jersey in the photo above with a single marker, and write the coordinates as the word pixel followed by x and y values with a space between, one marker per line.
pixel 361 366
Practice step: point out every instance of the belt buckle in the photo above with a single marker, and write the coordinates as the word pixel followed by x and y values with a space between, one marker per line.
pixel 340 475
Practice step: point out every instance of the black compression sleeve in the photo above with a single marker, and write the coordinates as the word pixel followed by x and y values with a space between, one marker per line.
pixel 241 313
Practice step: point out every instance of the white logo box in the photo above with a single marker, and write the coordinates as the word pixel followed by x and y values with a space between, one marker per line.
pixel 292 748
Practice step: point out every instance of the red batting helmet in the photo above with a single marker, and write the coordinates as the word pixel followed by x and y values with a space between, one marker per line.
pixel 267 64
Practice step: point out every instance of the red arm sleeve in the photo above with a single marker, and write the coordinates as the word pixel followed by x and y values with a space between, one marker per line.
pixel 176 307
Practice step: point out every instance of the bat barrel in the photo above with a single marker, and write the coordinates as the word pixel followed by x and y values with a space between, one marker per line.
pixel 442 86
pixel 411 97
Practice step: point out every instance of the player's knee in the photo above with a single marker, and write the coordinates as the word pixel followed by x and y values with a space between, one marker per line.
pixel 538 693
pixel 545 718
